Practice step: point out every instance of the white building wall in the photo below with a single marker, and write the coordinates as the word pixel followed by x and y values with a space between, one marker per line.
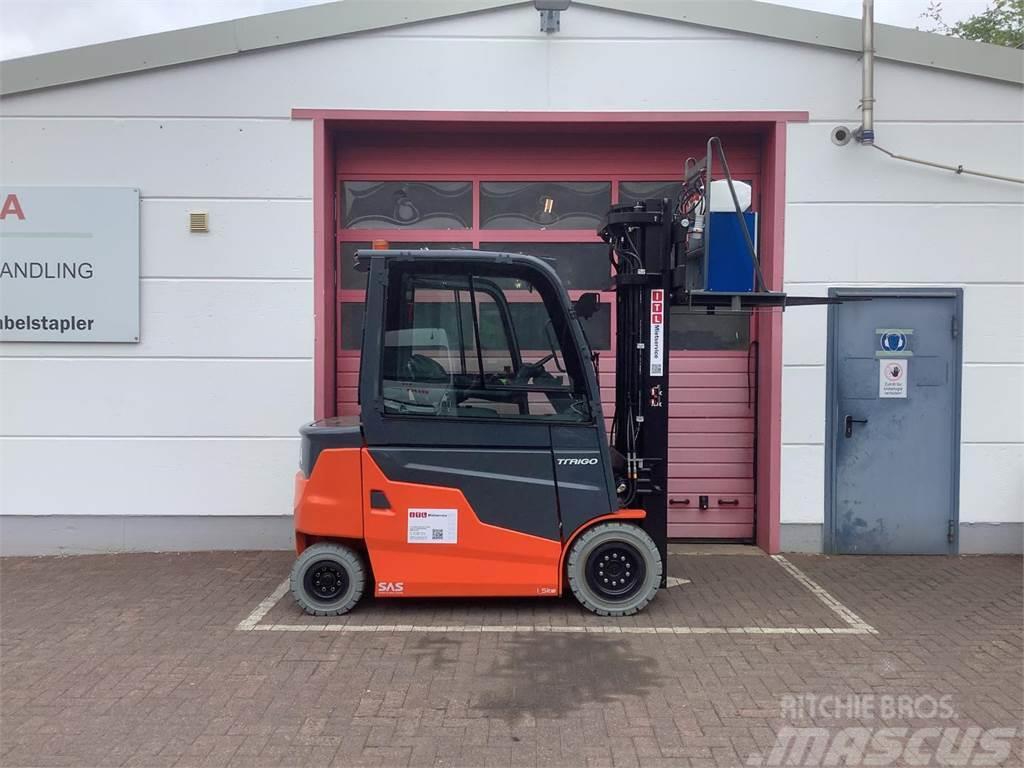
pixel 200 417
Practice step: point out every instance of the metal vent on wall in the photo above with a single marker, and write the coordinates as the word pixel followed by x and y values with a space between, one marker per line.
pixel 199 222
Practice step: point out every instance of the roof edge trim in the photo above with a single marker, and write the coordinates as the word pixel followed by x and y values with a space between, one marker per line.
pixel 346 17
pixel 224 38
pixel 765 19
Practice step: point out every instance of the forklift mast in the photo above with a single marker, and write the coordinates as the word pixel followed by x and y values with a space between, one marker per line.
pixel 641 254
pixel 659 249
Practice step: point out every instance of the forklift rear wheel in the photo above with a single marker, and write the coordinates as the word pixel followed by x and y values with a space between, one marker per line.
pixel 328 579
pixel 614 569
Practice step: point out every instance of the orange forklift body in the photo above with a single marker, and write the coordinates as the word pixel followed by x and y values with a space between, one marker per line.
pixel 334 504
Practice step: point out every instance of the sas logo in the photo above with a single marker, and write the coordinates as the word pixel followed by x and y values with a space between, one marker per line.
pixel 391 586
pixel 577 462
pixel 417 513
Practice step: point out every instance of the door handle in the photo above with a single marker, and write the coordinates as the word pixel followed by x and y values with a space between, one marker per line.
pixel 849 421
pixel 728 502
pixel 675 502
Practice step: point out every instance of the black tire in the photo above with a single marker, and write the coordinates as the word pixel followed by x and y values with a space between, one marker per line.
pixel 328 579
pixel 614 569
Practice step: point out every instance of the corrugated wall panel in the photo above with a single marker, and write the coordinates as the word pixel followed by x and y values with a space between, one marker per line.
pixel 711 445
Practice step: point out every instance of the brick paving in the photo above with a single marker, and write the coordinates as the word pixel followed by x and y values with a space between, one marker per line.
pixel 135 660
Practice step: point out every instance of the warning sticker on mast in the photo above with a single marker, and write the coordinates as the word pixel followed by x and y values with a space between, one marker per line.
pixel 657 332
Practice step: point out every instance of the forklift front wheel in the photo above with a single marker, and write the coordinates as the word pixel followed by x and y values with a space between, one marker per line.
pixel 614 569
pixel 328 579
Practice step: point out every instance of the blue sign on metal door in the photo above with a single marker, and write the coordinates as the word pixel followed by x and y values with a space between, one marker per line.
pixel 893 341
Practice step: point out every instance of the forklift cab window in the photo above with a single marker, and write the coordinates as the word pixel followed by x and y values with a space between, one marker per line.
pixel 474 346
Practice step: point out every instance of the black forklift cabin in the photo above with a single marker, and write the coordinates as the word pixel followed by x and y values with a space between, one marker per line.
pixel 476 374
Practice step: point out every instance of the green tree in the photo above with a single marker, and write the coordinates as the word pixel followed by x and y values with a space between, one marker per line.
pixel 1001 23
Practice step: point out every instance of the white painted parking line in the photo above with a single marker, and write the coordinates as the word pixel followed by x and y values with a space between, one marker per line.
pixel 855 625
pixel 250 621
pixel 840 610
pixel 599 629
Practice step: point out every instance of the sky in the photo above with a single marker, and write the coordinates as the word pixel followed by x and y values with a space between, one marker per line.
pixel 36 26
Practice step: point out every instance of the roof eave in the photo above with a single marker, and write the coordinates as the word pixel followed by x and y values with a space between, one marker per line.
pixel 898 44
pixel 347 17
pixel 225 38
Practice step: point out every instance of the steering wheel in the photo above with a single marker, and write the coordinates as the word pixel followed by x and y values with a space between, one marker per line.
pixel 532 370
pixel 423 368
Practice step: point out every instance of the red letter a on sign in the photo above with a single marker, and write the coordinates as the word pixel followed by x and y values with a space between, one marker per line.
pixel 12 206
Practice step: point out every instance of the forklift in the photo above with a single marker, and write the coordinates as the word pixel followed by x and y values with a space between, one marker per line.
pixel 480 464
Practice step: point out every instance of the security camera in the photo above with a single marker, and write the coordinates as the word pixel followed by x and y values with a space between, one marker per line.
pixel 841 135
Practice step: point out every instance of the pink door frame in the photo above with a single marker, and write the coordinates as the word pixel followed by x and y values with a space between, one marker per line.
pixel 771 126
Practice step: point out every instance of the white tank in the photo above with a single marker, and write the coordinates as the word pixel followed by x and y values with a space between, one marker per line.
pixel 721 200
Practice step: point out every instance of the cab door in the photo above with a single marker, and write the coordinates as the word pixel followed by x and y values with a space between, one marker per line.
pixel 458 477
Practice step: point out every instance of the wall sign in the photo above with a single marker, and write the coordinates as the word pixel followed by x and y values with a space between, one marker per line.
pixel 69 264
pixel 657 332
pixel 892 378
pixel 894 342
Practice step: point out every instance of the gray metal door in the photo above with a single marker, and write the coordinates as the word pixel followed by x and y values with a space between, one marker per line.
pixel 893 422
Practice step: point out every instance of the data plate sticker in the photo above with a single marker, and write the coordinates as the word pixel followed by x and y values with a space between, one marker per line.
pixel 433 526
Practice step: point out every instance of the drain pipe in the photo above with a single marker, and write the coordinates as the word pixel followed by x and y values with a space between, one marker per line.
pixel 959 170
pixel 866 133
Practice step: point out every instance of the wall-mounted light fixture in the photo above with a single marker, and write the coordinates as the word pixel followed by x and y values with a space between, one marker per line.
pixel 551 14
